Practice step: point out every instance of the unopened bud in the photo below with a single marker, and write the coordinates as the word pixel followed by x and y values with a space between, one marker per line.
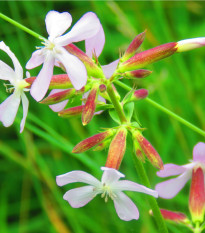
pixel 189 44
pixel 102 88
pixel 103 145
pixel 135 95
pixel 137 74
pixel 70 112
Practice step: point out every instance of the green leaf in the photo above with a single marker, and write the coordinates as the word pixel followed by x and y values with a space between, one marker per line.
pixel 114 116
pixel 129 109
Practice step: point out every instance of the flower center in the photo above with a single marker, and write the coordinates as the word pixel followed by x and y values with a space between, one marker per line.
pixel 18 85
pixel 107 192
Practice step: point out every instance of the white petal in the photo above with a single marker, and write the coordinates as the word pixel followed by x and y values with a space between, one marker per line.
pixel 59 106
pixel 6 72
pixel 131 186
pixel 36 59
pixel 57 23
pixel 74 68
pixel 87 26
pixel 168 189
pixel 171 170
pixel 41 84
pixel 79 197
pixel 17 67
pixel 76 176
pixel 9 108
pixel 95 44
pixel 109 69
pixel 199 152
pixel 25 111
pixel 125 207
pixel 110 175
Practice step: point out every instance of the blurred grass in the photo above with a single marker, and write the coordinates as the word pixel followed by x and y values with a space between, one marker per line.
pixel 29 198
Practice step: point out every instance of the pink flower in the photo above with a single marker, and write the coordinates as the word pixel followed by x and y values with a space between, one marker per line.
pixel 109 187
pixel 9 108
pixel 54 52
pixel 168 189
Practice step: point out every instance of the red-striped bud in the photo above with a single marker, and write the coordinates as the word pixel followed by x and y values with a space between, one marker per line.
pixel 197 195
pixel 59 81
pixel 70 112
pixel 144 58
pixel 58 97
pixel 117 149
pixel 137 74
pixel 92 141
pixel 103 145
pixel 175 217
pixel 139 94
pixel 90 106
pixel 133 47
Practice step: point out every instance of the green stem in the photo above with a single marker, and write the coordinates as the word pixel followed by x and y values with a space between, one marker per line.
pixel 167 111
pixel 29 31
pixel 152 201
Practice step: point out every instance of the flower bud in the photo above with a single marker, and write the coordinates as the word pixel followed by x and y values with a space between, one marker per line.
pixel 102 88
pixel 90 106
pixel 144 58
pixel 117 149
pixel 133 47
pixel 137 74
pixel 197 195
pixel 92 141
pixel 60 81
pixel 189 44
pixel 103 145
pixel 70 112
pixel 139 94
pixel 58 97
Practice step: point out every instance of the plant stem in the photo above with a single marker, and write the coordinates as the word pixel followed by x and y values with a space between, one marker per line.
pixel 152 201
pixel 167 111
pixel 15 23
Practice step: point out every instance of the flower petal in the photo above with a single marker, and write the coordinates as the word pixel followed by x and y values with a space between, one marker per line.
pixel 6 72
pixel 17 67
pixel 109 69
pixel 79 197
pixel 25 111
pixel 57 23
pixel 9 108
pixel 76 176
pixel 86 27
pixel 59 106
pixel 95 44
pixel 110 175
pixel 132 186
pixel 171 170
pixel 74 68
pixel 125 208
pixel 42 81
pixel 168 189
pixel 199 152
pixel 36 59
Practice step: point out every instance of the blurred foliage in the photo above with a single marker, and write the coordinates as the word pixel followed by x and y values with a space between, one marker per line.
pixel 29 198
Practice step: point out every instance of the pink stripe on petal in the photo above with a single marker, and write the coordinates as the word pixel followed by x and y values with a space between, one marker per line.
pixel 59 106
pixel 6 72
pixel 168 189
pixel 109 69
pixel 79 197
pixel 199 152
pixel 171 170
pixel 25 111
pixel 36 59
pixel 125 208
pixel 42 81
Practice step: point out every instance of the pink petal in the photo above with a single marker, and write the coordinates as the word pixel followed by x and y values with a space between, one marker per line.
pixel 57 23
pixel 9 108
pixel 59 106
pixel 36 59
pixel 199 152
pixel 6 73
pixel 95 44
pixel 168 189
pixel 109 69
pixel 79 197
pixel 110 175
pixel 125 208
pixel 74 68
pixel 25 111
pixel 42 81
pixel 17 67
pixel 76 176
pixel 171 170
pixel 86 27
pixel 131 186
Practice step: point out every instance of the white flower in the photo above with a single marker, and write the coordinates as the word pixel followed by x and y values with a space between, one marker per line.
pixel 53 52
pixel 109 187
pixel 8 109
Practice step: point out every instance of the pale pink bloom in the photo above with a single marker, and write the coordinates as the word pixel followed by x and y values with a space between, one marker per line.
pixel 109 187
pixel 9 108
pixel 168 189
pixel 189 44
pixel 54 52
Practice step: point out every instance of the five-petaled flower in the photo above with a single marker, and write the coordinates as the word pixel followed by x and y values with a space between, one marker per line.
pixel 109 187
pixel 9 108
pixel 168 189
pixel 54 51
